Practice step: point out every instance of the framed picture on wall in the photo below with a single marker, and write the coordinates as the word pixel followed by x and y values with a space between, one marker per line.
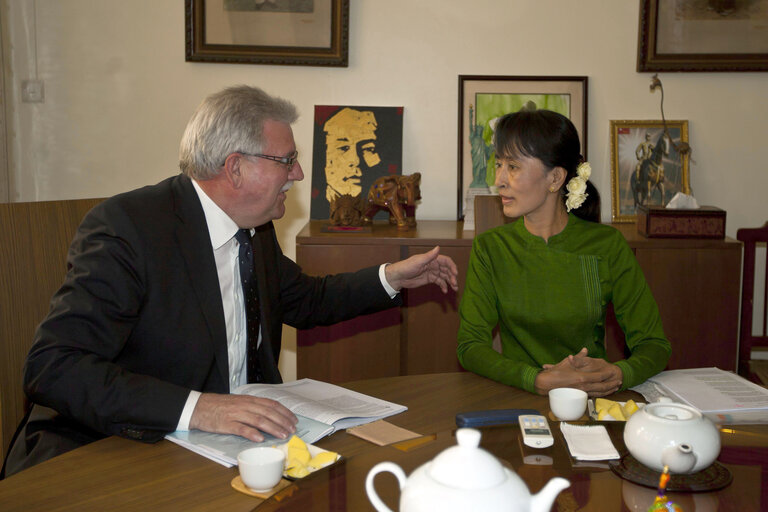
pixel 352 147
pixel 295 32
pixel 703 35
pixel 483 99
pixel 646 167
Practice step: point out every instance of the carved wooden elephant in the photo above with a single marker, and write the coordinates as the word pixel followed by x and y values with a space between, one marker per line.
pixel 398 194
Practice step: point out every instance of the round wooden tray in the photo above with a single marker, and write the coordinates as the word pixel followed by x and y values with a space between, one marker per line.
pixel 712 478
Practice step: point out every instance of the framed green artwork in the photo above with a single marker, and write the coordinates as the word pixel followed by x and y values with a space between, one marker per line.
pixel 483 99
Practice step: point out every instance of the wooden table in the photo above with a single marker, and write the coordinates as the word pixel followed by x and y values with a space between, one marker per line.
pixel 119 474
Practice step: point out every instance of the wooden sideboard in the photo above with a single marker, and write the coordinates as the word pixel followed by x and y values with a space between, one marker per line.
pixel 695 282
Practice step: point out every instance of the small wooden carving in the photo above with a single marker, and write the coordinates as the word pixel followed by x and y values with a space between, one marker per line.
pixel 347 210
pixel 398 194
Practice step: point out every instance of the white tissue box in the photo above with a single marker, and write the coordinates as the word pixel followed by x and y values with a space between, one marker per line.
pixel 660 222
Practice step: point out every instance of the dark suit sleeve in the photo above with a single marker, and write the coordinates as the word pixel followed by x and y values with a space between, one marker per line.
pixel 311 301
pixel 85 361
pixel 308 301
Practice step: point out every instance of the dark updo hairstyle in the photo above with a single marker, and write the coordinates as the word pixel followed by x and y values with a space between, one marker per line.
pixel 552 138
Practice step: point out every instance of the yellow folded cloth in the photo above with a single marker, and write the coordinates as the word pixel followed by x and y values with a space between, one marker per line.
pixel 299 463
pixel 615 410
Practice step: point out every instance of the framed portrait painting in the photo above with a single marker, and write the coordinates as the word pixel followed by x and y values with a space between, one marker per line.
pixel 646 166
pixel 294 32
pixel 352 147
pixel 483 99
pixel 703 35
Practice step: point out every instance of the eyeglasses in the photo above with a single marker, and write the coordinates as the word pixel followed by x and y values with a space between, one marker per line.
pixel 287 161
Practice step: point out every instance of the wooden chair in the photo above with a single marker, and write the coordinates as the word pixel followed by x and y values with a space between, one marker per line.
pixel 755 370
pixel 34 239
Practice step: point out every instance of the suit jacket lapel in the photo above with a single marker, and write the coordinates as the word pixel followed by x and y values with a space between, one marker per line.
pixel 195 246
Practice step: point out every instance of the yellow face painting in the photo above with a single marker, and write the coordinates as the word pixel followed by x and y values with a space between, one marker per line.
pixel 350 136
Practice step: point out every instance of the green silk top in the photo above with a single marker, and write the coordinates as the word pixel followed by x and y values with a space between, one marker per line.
pixel 549 300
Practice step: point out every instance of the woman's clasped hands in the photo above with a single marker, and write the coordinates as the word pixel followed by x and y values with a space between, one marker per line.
pixel 596 376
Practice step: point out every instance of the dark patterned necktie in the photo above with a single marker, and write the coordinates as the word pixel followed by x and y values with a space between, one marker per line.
pixel 251 297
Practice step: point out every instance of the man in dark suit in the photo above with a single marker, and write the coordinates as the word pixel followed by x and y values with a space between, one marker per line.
pixel 149 332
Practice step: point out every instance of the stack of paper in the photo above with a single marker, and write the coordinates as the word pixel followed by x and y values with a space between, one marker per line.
pixel 321 408
pixel 722 396
pixel 223 448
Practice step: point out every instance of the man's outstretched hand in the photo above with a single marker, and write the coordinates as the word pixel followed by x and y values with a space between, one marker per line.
pixel 421 269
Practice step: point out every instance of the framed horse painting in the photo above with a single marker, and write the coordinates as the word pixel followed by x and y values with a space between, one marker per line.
pixel 646 166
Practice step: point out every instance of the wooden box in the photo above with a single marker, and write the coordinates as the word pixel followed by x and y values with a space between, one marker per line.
pixel 660 222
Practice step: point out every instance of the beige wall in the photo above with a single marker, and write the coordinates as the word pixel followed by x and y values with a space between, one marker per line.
pixel 118 93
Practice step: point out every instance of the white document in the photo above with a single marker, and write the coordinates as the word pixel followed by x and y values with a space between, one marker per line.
pixel 321 408
pixel 327 403
pixel 722 396
pixel 223 448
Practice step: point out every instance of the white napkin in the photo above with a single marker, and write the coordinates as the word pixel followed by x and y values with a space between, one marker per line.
pixel 588 442
pixel 683 202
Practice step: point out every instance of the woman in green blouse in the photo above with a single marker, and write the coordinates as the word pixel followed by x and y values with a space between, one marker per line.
pixel 546 279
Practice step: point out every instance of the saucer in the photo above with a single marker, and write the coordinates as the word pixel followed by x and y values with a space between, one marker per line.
pixel 711 478
pixel 238 485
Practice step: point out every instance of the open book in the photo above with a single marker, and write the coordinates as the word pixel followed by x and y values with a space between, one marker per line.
pixel 723 397
pixel 321 408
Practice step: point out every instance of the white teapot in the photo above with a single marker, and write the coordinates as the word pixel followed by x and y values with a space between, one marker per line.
pixel 464 478
pixel 674 435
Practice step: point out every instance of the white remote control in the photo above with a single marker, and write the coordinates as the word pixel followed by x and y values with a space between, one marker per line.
pixel 535 430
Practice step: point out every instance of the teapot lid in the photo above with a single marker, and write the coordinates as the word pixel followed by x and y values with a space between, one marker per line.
pixel 467 466
pixel 673 412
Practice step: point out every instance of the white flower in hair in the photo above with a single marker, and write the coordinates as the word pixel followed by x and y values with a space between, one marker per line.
pixel 584 170
pixel 572 202
pixel 577 187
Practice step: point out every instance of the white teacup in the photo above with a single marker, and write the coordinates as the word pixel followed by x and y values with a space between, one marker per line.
pixel 568 404
pixel 261 468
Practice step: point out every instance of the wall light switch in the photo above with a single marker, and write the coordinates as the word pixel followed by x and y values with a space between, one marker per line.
pixel 32 91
